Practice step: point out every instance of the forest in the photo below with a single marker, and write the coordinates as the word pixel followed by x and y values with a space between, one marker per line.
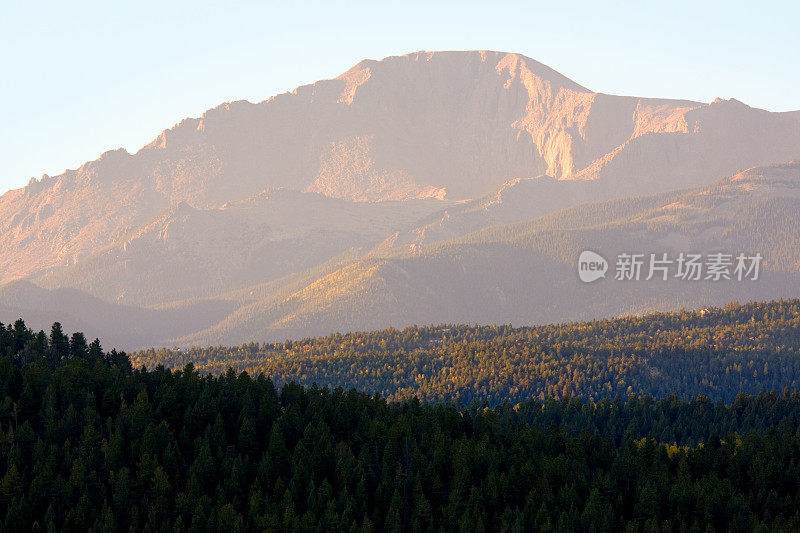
pixel 90 442
pixel 715 352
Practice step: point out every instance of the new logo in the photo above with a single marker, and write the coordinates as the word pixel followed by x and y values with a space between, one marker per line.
pixel 591 266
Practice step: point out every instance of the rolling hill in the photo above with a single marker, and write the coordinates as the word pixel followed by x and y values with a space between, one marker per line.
pixel 526 273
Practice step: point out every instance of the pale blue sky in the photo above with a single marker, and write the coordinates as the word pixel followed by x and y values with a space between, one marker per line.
pixel 83 78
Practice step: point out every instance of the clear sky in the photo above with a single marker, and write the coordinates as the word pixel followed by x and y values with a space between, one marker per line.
pixel 80 78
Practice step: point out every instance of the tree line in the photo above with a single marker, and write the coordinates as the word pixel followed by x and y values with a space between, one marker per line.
pixel 715 352
pixel 89 442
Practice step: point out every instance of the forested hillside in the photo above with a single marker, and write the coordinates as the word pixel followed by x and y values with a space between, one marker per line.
pixel 87 442
pixel 716 352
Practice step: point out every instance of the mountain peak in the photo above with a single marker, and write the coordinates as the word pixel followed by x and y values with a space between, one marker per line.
pixel 729 101
pixel 513 64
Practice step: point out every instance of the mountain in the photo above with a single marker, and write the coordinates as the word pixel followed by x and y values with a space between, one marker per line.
pixel 187 252
pixel 526 273
pixel 251 203
pixel 118 325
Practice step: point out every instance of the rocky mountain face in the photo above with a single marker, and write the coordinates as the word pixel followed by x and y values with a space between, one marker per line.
pixel 236 218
